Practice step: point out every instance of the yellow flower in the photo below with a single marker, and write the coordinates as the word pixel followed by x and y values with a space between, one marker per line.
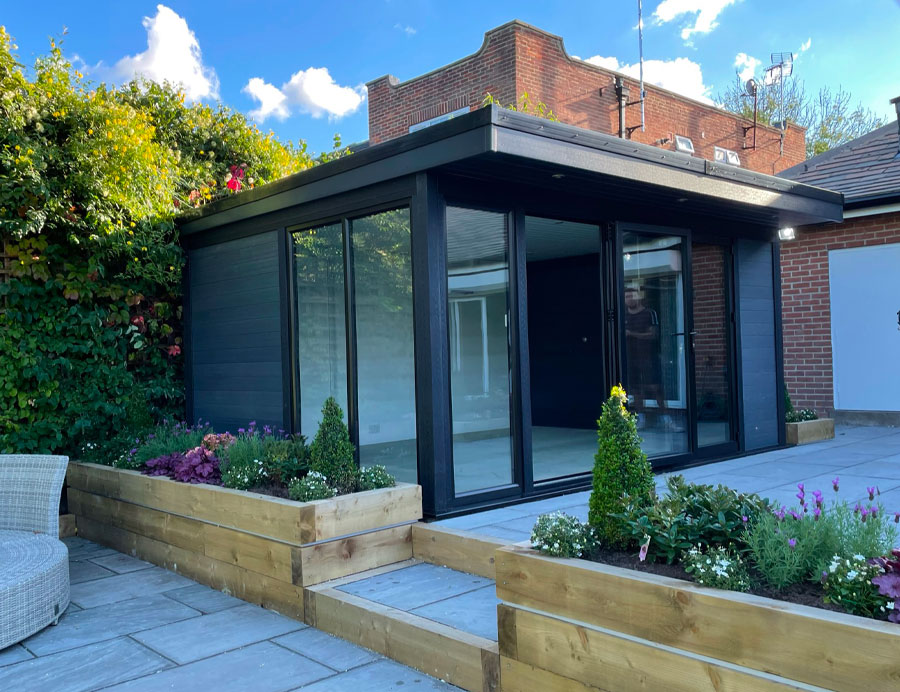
pixel 618 392
pixel 171 268
pixel 90 131
pixel 135 259
pixel 17 147
pixel 132 224
pixel 144 248
pixel 128 242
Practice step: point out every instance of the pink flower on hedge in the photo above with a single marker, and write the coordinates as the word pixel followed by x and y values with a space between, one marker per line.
pixel 174 350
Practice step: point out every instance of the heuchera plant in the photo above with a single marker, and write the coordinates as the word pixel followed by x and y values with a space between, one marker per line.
pixel 197 465
pixel 889 583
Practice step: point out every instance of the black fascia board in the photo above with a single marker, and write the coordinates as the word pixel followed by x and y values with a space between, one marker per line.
pixel 493 130
pixel 878 200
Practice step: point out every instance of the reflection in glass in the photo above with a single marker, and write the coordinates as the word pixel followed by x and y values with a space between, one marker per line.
pixel 565 327
pixel 321 338
pixel 655 376
pixel 478 292
pixel 711 322
pixel 384 342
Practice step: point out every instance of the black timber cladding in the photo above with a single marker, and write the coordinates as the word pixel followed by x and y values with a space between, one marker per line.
pixel 755 282
pixel 236 332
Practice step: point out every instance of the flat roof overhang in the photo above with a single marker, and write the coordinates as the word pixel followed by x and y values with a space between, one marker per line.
pixel 515 147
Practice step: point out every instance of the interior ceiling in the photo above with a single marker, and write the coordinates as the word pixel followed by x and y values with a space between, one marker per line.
pixel 476 237
pixel 547 239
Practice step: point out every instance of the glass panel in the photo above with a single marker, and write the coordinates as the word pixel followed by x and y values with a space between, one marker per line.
pixel 385 355
pixel 478 290
pixel 321 324
pixel 565 327
pixel 655 372
pixel 710 344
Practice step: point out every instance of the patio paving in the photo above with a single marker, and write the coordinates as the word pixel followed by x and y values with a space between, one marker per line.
pixel 860 456
pixel 139 628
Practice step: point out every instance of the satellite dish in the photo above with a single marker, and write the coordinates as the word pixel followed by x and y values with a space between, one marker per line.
pixel 751 87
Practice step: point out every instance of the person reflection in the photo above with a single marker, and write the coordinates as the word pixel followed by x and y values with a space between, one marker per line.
pixel 642 345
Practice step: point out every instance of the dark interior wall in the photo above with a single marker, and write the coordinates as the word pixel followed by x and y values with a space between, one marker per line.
pixel 235 332
pixel 565 324
pixel 757 354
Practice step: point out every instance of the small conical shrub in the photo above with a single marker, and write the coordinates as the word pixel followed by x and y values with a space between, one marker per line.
pixel 621 470
pixel 331 452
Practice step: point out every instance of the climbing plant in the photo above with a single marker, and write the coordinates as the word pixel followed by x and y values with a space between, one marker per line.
pixel 92 178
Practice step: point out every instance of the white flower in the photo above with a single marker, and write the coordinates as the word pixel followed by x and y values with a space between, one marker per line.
pixel 859 557
pixel 852 574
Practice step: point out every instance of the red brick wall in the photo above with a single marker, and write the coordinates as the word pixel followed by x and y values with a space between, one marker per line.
pixel 806 304
pixel 517 58
pixel 711 345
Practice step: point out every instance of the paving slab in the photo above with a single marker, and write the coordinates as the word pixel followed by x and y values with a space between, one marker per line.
pixel 191 640
pixel 81 549
pixel 469 521
pixel 510 535
pixel 84 669
pixel 123 587
pixel 121 563
pixel 114 620
pixel 13 654
pixel 884 467
pixel 474 612
pixel 383 676
pixel 327 649
pixel 85 570
pixel 204 599
pixel 262 667
pixel 415 586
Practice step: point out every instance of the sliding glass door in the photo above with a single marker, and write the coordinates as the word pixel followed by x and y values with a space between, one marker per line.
pixel 654 344
pixel 478 294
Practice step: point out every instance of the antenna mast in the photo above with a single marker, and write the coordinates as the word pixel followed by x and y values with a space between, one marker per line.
pixel 641 51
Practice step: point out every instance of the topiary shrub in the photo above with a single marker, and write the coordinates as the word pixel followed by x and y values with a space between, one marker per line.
pixel 622 473
pixel 331 452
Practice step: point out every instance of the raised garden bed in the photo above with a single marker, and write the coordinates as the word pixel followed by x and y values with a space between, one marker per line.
pixel 808 431
pixel 260 548
pixel 577 625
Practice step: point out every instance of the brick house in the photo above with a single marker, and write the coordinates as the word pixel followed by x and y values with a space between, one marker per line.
pixel 517 58
pixel 841 286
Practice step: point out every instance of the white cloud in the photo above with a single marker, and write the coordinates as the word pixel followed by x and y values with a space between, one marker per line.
pixel 707 13
pixel 680 75
pixel 806 45
pixel 311 91
pixel 173 55
pixel 272 102
pixel 408 30
pixel 745 66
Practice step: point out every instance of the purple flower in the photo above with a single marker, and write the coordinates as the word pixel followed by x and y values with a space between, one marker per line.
pixel 897 517
pixel 874 512
pixel 857 509
pixel 800 486
pixel 241 431
pixel 802 498
pixel 817 494
pixel 150 436
pixel 817 513
pixel 863 513
pixel 792 542
pixel 834 483
pixel 872 490
pixel 745 518
pixel 824 576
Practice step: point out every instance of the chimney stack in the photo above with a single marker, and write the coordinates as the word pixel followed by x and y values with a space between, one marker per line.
pixel 896 102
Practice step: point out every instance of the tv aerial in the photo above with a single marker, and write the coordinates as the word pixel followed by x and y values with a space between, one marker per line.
pixel 751 90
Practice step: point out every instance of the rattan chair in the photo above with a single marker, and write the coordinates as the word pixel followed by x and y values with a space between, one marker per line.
pixel 34 563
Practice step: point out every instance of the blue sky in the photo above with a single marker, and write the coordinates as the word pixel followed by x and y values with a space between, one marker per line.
pixel 300 67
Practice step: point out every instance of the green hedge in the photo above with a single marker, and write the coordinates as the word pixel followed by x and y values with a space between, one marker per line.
pixel 91 179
